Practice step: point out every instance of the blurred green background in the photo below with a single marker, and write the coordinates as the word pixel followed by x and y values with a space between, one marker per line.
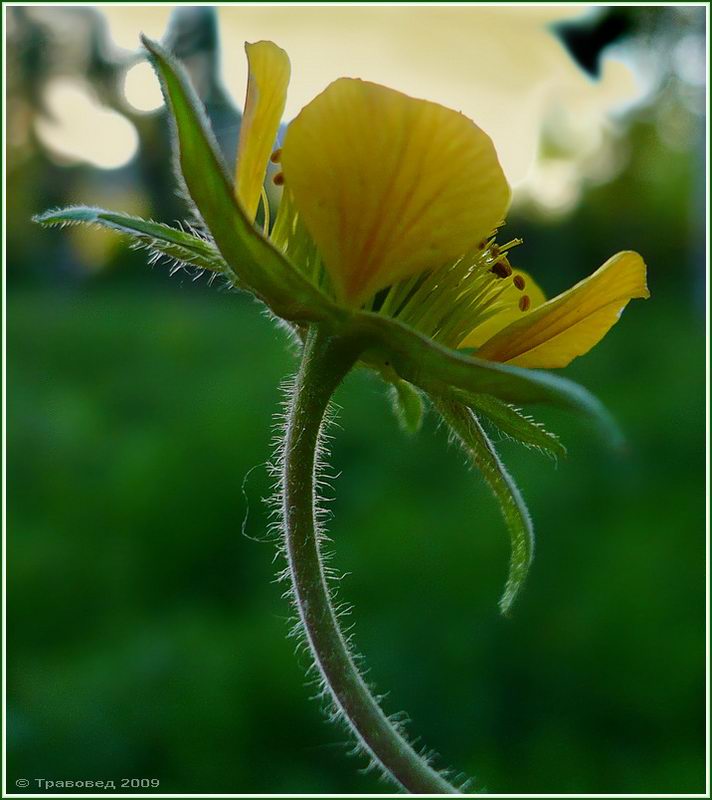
pixel 147 637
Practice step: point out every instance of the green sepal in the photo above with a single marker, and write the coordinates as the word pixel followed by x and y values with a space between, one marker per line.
pixel 407 404
pixel 438 370
pixel 468 432
pixel 184 248
pixel 514 424
pixel 258 265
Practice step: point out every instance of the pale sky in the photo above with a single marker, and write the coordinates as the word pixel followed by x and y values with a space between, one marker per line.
pixel 498 65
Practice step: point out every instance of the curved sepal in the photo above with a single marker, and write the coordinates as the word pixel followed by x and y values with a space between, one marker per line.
pixel 437 370
pixel 514 424
pixel 260 268
pixel 466 429
pixel 159 239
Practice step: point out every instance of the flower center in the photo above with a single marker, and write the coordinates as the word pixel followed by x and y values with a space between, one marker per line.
pixel 449 302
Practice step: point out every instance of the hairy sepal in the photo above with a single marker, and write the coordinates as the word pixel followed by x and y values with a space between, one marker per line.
pixel 185 249
pixel 438 370
pixel 467 431
pixel 258 265
pixel 514 424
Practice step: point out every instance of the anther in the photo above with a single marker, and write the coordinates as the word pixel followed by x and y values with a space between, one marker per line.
pixel 276 157
pixel 519 282
pixel 501 269
pixel 278 179
pixel 524 303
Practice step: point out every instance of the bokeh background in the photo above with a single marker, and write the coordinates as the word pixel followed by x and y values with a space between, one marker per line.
pixel 146 632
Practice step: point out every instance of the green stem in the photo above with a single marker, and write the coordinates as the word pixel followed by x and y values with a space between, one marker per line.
pixel 325 362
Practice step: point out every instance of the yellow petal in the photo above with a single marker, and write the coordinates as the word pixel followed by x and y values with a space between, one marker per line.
pixel 572 323
pixel 267 83
pixel 388 185
pixel 511 296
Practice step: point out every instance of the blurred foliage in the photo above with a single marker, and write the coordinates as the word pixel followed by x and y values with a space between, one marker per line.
pixel 147 636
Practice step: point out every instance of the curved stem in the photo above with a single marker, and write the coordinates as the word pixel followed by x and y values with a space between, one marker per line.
pixel 325 362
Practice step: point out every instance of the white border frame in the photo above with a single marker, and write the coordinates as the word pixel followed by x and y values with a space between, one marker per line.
pixel 705 5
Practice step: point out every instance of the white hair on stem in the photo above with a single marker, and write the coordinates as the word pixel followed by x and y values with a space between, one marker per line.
pixel 316 678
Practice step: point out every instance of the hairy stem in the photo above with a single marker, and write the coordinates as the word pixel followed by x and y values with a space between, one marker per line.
pixel 325 362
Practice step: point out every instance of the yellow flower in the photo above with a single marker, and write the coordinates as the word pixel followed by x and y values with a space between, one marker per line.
pixel 383 252
pixel 391 204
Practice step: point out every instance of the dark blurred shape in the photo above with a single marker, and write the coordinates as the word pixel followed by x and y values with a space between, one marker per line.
pixel 30 39
pixel 586 40
pixel 194 38
pixel 105 63
pixel 74 44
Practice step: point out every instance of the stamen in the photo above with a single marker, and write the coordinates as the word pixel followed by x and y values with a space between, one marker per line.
pixel 276 157
pixel 501 269
pixel 503 248
pixel 449 302
pixel 265 206
pixel 278 179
